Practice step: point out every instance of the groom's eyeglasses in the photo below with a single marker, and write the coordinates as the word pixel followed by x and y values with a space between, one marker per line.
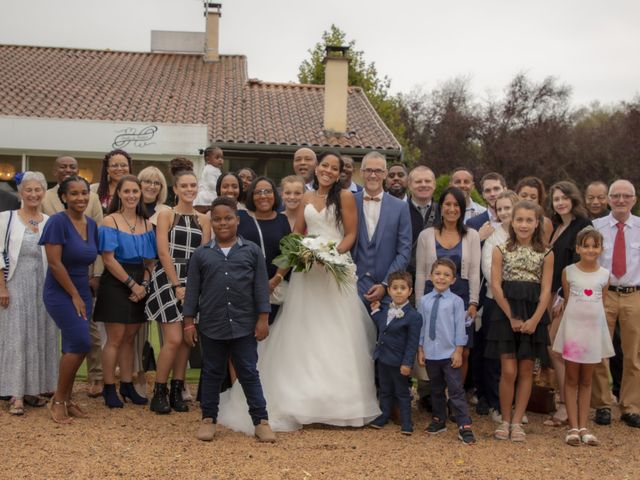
pixel 373 171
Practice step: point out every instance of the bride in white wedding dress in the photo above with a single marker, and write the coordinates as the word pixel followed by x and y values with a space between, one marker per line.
pixel 316 364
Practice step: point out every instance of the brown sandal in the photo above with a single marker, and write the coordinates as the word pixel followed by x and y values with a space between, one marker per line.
pixel 75 410
pixel 62 420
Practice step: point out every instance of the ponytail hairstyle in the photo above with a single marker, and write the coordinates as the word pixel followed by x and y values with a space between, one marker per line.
pixel 538 242
pixel 333 195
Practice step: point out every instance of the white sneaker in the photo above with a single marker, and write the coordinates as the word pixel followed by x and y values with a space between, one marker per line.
pixel 495 415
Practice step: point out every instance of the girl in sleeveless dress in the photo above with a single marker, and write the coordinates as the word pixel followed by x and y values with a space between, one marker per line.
pixel 316 365
pixel 521 274
pixel 583 336
pixel 179 232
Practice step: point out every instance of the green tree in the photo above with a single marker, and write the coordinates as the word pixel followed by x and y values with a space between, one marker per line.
pixel 363 75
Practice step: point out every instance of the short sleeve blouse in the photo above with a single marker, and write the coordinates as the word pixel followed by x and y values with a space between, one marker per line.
pixel 77 253
pixel 128 247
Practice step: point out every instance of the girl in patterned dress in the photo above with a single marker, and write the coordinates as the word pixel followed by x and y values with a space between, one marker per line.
pixel 179 232
pixel 583 336
pixel 521 272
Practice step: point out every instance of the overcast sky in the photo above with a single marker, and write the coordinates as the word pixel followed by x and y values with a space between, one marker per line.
pixel 591 45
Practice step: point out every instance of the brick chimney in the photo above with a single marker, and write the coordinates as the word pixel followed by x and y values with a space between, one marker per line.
pixel 211 49
pixel 336 80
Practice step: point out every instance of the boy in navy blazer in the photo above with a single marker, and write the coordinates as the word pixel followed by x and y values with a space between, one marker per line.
pixel 399 327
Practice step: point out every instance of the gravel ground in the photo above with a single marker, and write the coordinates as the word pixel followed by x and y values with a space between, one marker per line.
pixel 134 443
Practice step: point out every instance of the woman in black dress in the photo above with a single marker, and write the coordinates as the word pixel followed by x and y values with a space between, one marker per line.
pixel 569 217
pixel 262 224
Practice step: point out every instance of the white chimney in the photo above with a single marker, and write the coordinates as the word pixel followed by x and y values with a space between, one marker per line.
pixel 336 82
pixel 211 49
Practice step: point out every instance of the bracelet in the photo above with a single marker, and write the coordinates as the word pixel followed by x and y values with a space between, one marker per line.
pixel 189 327
pixel 128 281
pixel 178 285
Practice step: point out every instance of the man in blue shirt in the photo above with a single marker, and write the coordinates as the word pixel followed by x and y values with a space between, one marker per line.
pixel 227 286
pixel 442 339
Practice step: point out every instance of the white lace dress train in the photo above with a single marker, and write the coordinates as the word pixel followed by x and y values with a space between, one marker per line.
pixel 316 365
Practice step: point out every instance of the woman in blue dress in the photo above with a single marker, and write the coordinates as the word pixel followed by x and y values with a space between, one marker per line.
pixel 70 239
pixel 127 243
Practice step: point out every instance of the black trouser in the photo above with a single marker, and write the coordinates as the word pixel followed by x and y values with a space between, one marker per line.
pixel 486 371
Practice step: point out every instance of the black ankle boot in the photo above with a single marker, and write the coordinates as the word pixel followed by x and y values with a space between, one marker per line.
pixel 160 402
pixel 127 391
pixel 110 396
pixel 175 396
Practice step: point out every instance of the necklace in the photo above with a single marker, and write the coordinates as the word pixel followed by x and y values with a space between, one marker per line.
pixel 321 196
pixel 132 228
pixel 31 221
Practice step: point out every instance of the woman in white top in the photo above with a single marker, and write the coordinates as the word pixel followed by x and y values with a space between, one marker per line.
pixel 28 336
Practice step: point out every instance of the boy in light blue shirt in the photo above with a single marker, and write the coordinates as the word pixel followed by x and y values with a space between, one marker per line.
pixel 442 339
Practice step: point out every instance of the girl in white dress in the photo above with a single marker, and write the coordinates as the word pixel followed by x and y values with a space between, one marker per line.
pixel 583 336
pixel 316 365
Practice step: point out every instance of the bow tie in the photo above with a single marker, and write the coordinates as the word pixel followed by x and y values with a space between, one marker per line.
pixel 367 198
pixel 395 312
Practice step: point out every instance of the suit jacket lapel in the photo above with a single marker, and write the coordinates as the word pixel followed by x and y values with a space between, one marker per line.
pixel 384 204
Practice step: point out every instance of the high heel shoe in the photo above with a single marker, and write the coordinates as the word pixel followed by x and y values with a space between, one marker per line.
pixel 175 396
pixel 110 396
pixel 127 391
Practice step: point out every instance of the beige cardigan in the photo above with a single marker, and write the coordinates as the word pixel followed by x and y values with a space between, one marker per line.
pixel 471 257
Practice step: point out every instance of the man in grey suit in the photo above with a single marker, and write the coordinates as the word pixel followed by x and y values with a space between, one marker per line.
pixel 383 244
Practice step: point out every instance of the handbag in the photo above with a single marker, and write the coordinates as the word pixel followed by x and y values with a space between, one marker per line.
pixel 542 399
pixel 5 252
pixel 543 395
pixel 280 292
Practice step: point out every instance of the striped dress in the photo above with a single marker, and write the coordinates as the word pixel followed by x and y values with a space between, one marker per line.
pixel 185 236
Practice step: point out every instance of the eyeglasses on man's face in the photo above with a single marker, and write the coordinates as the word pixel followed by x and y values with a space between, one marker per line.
pixel 621 196
pixel 373 171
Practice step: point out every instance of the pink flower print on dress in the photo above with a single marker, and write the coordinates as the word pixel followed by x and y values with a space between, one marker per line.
pixel 573 351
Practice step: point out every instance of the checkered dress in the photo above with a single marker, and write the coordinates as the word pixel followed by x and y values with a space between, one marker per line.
pixel 184 237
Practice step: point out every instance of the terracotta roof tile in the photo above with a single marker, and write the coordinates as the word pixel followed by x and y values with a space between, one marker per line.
pixel 177 88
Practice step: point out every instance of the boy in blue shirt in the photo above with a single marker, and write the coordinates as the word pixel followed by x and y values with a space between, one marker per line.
pixel 227 285
pixel 398 333
pixel 442 339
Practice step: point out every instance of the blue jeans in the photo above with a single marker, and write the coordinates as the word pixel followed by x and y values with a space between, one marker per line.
pixel 394 386
pixel 244 355
pixel 442 375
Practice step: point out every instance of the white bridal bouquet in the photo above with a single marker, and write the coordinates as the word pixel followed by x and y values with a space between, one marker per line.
pixel 300 253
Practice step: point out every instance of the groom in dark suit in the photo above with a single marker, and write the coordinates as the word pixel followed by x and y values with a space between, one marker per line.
pixel 383 244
